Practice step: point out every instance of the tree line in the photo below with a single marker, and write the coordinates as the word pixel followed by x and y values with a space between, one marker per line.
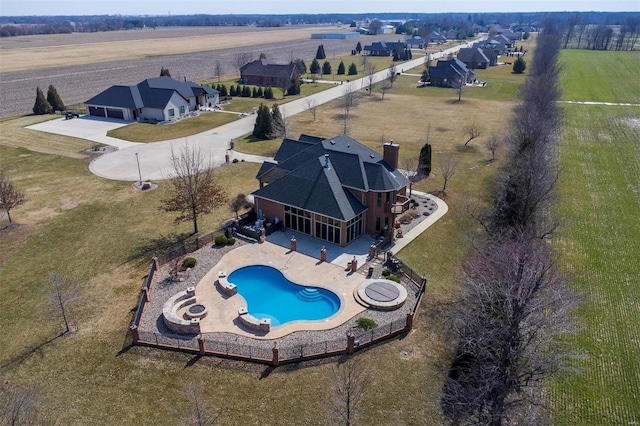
pixel 514 306
pixel 579 33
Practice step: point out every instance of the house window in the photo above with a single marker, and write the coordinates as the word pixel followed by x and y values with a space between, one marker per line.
pixel 327 229
pixel 297 220
pixel 354 228
pixel 172 113
pixel 181 109
pixel 377 223
pixel 388 197
pixel 379 200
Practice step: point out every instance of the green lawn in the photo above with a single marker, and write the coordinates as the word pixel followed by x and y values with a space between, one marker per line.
pixel 597 76
pixel 598 242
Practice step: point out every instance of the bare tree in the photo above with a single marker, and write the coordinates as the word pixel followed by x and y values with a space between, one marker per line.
pixel 312 107
pixel 459 85
pixel 217 69
pixel 239 202
pixel 201 414
pixel 493 144
pixel 193 189
pixel 240 59
pixel 348 102
pixel 10 196
pixel 64 292
pixel 409 169
pixel 508 322
pixel 448 165
pixel 392 74
pixel 284 82
pixel 384 89
pixel 473 131
pixel 348 384
pixel 375 27
pixel 370 71
pixel 21 406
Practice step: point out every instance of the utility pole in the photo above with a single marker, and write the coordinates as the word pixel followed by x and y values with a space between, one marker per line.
pixel 139 174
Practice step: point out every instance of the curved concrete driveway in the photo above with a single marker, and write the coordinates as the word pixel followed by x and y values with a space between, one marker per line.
pixel 154 158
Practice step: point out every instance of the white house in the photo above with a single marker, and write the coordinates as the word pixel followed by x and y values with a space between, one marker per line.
pixel 154 99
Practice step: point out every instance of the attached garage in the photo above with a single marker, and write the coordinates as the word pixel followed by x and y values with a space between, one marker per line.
pixel 96 111
pixel 115 113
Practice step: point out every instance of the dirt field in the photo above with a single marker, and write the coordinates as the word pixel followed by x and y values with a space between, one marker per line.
pixel 82 65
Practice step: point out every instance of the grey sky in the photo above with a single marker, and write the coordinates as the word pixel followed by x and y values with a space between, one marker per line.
pixel 214 7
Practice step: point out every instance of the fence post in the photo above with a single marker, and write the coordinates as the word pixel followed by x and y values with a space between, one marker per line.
pixel 276 355
pixel 409 325
pixel 201 345
pixel 351 338
pixel 135 334
pixel 155 262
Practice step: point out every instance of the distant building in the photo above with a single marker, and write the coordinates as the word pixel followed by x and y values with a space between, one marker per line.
pixel 336 36
pixel 385 48
pixel 262 73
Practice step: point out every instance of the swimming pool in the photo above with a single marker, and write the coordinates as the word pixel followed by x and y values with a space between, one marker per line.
pixel 269 294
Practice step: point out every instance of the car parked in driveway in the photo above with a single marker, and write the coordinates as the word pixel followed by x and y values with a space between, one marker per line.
pixel 69 114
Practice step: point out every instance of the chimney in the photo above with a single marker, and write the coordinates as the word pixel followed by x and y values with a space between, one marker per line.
pixel 391 153
pixel 326 161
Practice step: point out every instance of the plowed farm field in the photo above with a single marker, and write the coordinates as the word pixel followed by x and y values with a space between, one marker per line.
pixel 82 65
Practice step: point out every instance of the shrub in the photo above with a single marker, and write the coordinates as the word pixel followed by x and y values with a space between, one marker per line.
pixel 394 278
pixel 227 233
pixel 221 240
pixel 189 262
pixel 231 241
pixel 386 272
pixel 426 214
pixel 366 323
pixel 235 160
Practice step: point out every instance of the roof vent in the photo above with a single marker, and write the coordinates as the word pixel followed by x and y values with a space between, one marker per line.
pixel 326 161
pixel 332 142
pixel 372 156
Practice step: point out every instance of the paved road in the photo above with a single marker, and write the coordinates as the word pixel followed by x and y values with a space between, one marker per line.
pixel 154 158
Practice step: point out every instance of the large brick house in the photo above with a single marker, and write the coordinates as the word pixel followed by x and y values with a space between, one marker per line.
pixel 385 48
pixel 262 73
pixel 154 99
pixel 334 189
pixel 449 73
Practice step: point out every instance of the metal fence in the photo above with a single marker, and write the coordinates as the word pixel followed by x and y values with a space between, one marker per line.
pixel 187 246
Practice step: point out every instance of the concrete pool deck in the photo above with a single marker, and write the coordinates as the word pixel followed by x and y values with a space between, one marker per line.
pixel 298 267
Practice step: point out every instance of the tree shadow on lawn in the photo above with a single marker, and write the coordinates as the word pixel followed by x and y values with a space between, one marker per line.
pixel 150 247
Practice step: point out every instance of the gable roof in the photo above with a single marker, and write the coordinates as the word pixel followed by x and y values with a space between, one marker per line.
pixel 472 54
pixel 262 68
pixel 452 68
pixel 306 182
pixel 385 46
pixel 150 93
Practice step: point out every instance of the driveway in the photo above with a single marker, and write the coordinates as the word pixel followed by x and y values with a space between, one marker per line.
pixel 154 158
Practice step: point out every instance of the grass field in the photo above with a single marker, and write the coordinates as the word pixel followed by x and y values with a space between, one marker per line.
pixel 598 242
pixel 102 233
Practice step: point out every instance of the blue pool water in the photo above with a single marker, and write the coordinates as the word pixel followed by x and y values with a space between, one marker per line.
pixel 269 294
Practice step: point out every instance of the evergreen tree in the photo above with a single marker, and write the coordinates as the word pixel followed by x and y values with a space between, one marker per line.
pixel 232 90
pixel 294 89
pixel 239 90
pixel 425 76
pixel 358 48
pixel 395 56
pixel 264 125
pixel 320 53
pixel 254 92
pixel 260 92
pixel 526 35
pixel 315 67
pixel 424 161
pixel 299 63
pixel 164 72
pixel 326 68
pixel 353 70
pixel 54 99
pixel 223 90
pixel 246 92
pixel 41 106
pixel 519 65
pixel 341 69
pixel 268 93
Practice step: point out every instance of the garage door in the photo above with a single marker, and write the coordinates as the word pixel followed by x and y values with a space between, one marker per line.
pixel 115 113
pixel 96 111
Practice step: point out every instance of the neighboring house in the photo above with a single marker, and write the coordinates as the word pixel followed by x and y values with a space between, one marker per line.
pixel 416 42
pixel 334 189
pixel 511 35
pixel 385 48
pixel 501 40
pixel 448 73
pixel 436 37
pixel 474 58
pixel 489 51
pixel 262 73
pixel 154 99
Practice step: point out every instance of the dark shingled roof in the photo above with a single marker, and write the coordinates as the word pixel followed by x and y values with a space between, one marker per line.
pixel 150 93
pixel 351 166
pixel 262 68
